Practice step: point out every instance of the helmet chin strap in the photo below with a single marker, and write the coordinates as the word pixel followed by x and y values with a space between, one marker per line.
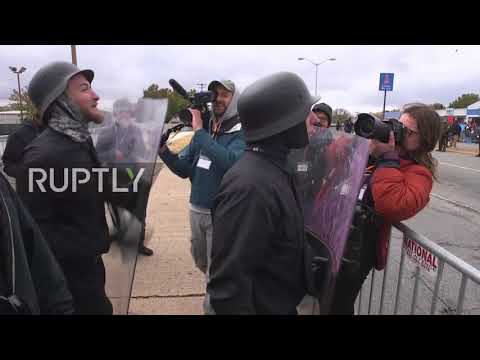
pixel 297 136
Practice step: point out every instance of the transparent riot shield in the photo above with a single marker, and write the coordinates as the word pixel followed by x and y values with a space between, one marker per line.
pixel 127 147
pixel 329 174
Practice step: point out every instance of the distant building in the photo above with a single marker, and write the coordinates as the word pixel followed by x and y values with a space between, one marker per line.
pixel 392 114
pixel 453 114
pixel 9 121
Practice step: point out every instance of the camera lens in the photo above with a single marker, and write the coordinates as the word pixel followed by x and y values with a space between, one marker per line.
pixel 365 125
pixel 369 127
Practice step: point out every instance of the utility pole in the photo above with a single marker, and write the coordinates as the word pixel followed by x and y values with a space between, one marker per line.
pixel 18 72
pixel 316 64
pixel 74 54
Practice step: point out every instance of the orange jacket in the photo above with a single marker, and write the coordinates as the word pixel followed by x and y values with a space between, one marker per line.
pixel 399 193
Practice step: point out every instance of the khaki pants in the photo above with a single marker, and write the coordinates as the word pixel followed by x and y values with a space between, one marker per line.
pixel 454 141
pixel 201 248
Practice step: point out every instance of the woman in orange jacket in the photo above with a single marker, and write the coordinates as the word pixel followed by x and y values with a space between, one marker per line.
pixel 397 188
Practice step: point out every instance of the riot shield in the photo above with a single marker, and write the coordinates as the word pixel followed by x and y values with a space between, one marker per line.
pixel 128 148
pixel 329 174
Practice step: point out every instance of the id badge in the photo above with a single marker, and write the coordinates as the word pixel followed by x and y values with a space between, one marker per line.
pixel 302 166
pixel 362 192
pixel 204 162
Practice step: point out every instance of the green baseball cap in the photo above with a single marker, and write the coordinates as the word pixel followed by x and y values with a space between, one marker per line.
pixel 227 84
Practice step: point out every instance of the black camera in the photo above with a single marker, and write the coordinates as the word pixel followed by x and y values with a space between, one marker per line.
pixel 198 101
pixel 370 127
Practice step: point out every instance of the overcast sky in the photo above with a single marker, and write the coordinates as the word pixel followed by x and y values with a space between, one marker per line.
pixel 422 73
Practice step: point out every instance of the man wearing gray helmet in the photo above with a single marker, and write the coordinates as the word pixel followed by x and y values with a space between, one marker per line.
pixel 72 222
pixel 258 227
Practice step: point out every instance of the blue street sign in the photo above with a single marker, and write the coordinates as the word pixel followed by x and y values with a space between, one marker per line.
pixel 386 82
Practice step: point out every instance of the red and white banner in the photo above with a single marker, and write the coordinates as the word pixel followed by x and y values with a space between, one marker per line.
pixel 418 254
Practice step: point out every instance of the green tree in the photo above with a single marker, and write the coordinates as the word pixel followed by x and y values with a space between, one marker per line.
pixel 438 106
pixel 29 110
pixel 154 92
pixel 175 101
pixel 464 101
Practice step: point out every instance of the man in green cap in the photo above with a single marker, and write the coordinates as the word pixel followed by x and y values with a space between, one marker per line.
pixel 217 144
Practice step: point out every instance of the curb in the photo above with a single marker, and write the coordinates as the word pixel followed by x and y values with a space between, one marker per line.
pixel 465 152
pixel 464 206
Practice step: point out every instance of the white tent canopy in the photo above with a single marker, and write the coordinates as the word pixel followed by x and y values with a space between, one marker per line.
pixel 474 105
pixel 474 110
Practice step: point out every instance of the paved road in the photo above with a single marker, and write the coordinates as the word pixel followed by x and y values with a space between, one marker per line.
pixel 169 283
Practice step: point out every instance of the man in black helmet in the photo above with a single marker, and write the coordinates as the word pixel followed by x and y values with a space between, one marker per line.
pixel 72 221
pixel 258 226
pixel 322 120
pixel 324 115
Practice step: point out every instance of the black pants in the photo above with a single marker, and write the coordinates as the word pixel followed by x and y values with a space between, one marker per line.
pixel 350 280
pixel 141 209
pixel 443 143
pixel 86 282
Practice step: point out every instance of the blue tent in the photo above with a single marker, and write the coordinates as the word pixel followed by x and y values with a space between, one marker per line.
pixel 474 110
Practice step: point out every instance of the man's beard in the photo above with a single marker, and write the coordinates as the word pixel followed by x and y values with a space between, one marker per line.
pixel 96 117
pixel 219 113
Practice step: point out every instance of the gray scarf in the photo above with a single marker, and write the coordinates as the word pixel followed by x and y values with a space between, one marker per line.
pixel 67 119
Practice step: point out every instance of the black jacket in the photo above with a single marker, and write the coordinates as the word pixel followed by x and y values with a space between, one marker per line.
pixel 456 129
pixel 258 235
pixel 16 143
pixel 27 266
pixel 73 223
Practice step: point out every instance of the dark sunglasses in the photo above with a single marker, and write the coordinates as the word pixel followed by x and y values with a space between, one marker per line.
pixel 409 131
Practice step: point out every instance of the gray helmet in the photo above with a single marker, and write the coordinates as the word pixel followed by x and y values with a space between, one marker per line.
pixel 274 104
pixel 50 82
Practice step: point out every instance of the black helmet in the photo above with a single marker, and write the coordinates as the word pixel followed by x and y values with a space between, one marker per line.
pixel 50 82
pixel 273 104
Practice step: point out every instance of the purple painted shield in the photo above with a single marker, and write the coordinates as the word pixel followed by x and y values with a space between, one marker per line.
pixel 329 174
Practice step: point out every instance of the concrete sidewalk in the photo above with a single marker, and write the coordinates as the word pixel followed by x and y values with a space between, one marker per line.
pixel 168 283
pixel 464 148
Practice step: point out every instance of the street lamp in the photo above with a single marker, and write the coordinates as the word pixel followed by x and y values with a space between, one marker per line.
pixel 201 86
pixel 74 54
pixel 18 72
pixel 316 68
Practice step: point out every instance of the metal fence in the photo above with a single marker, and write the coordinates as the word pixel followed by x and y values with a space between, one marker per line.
pixel 427 262
pixel 392 291
pixel 3 142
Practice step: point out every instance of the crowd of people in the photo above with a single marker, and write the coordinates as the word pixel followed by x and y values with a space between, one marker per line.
pixel 246 210
pixel 455 132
